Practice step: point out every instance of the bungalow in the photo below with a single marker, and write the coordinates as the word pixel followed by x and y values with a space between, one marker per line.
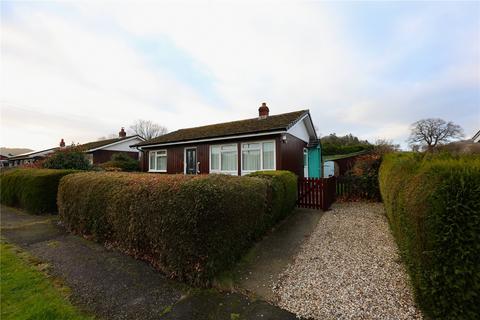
pixel 103 150
pixel 285 141
pixel 97 151
pixel 30 157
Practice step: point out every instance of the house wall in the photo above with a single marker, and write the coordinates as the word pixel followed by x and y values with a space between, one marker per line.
pixel 289 156
pixel 101 156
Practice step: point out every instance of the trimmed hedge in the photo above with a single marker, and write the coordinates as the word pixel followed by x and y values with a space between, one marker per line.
pixel 32 189
pixel 282 194
pixel 433 206
pixel 189 227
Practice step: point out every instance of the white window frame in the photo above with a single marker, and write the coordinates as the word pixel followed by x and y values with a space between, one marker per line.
pixel 261 142
pixel 219 170
pixel 155 165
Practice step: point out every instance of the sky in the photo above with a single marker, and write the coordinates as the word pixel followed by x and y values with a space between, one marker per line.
pixel 81 70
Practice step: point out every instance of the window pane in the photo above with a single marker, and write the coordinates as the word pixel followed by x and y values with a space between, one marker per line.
pixel 229 160
pixel 162 163
pixel 152 160
pixel 215 158
pixel 251 146
pixel 251 160
pixel 268 155
pixel 229 147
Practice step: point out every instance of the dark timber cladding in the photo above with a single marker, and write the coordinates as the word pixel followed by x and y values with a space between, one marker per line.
pixel 101 156
pixel 288 154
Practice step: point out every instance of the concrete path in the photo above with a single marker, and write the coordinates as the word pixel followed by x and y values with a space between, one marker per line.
pixel 256 274
pixel 112 285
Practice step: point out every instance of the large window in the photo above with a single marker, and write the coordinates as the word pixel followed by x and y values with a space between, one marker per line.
pixel 258 156
pixel 158 161
pixel 224 159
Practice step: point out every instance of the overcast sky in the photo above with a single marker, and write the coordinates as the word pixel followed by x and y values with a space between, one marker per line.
pixel 80 70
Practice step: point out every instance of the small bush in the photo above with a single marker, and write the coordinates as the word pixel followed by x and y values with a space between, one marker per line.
pixel 32 189
pixel 69 158
pixel 190 227
pixel 361 182
pixel 121 162
pixel 433 206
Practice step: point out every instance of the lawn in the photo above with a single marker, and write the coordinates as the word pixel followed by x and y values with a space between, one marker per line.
pixel 28 293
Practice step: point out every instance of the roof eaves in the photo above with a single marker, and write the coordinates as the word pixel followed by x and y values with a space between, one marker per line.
pixel 217 138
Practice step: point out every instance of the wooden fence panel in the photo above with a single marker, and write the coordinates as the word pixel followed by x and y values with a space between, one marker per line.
pixel 316 193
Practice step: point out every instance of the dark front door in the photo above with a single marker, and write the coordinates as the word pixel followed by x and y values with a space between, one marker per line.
pixel 191 161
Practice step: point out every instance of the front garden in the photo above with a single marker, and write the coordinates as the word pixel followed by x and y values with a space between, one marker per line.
pixel 189 227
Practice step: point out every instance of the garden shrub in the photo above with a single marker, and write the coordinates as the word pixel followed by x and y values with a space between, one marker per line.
pixel 68 158
pixel 189 227
pixel 32 189
pixel 361 182
pixel 433 206
pixel 121 162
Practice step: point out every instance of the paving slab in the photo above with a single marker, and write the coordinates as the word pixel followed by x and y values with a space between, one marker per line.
pixel 256 274
pixel 112 285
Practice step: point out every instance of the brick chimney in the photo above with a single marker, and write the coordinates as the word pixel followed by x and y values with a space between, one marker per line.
pixel 62 143
pixel 122 134
pixel 263 111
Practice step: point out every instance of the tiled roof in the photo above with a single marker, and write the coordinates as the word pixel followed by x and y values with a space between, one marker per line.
pixel 249 126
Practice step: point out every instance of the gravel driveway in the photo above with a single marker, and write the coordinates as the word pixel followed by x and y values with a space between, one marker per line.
pixel 348 269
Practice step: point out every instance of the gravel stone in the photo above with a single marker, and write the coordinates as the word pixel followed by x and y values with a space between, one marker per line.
pixel 349 268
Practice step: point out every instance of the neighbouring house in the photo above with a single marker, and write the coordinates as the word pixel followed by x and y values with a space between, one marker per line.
pixel 4 160
pixel 268 142
pixel 103 150
pixel 97 151
pixel 30 157
pixel 476 137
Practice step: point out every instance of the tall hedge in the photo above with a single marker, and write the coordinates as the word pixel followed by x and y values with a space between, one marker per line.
pixel 282 193
pixel 190 227
pixel 433 206
pixel 32 189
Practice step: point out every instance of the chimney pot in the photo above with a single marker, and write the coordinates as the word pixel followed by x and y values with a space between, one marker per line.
pixel 122 133
pixel 263 111
pixel 62 143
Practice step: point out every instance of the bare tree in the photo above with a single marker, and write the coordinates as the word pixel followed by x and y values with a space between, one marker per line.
pixel 148 129
pixel 433 131
pixel 383 146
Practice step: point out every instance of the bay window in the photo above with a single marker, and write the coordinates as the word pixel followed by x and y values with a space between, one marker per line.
pixel 224 159
pixel 258 156
pixel 158 161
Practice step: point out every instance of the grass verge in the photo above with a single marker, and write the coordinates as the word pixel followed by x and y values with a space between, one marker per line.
pixel 27 293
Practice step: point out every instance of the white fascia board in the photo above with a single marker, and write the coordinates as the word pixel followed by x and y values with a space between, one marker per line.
pixel 116 142
pixel 213 139
pixel 302 126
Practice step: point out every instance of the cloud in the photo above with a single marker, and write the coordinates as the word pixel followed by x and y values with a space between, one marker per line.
pixel 187 64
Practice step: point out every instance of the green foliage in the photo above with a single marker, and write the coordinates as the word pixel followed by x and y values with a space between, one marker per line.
pixel 27 293
pixel 333 144
pixel 190 227
pixel 122 162
pixel 361 181
pixel 32 189
pixel 433 206
pixel 282 191
pixel 69 158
